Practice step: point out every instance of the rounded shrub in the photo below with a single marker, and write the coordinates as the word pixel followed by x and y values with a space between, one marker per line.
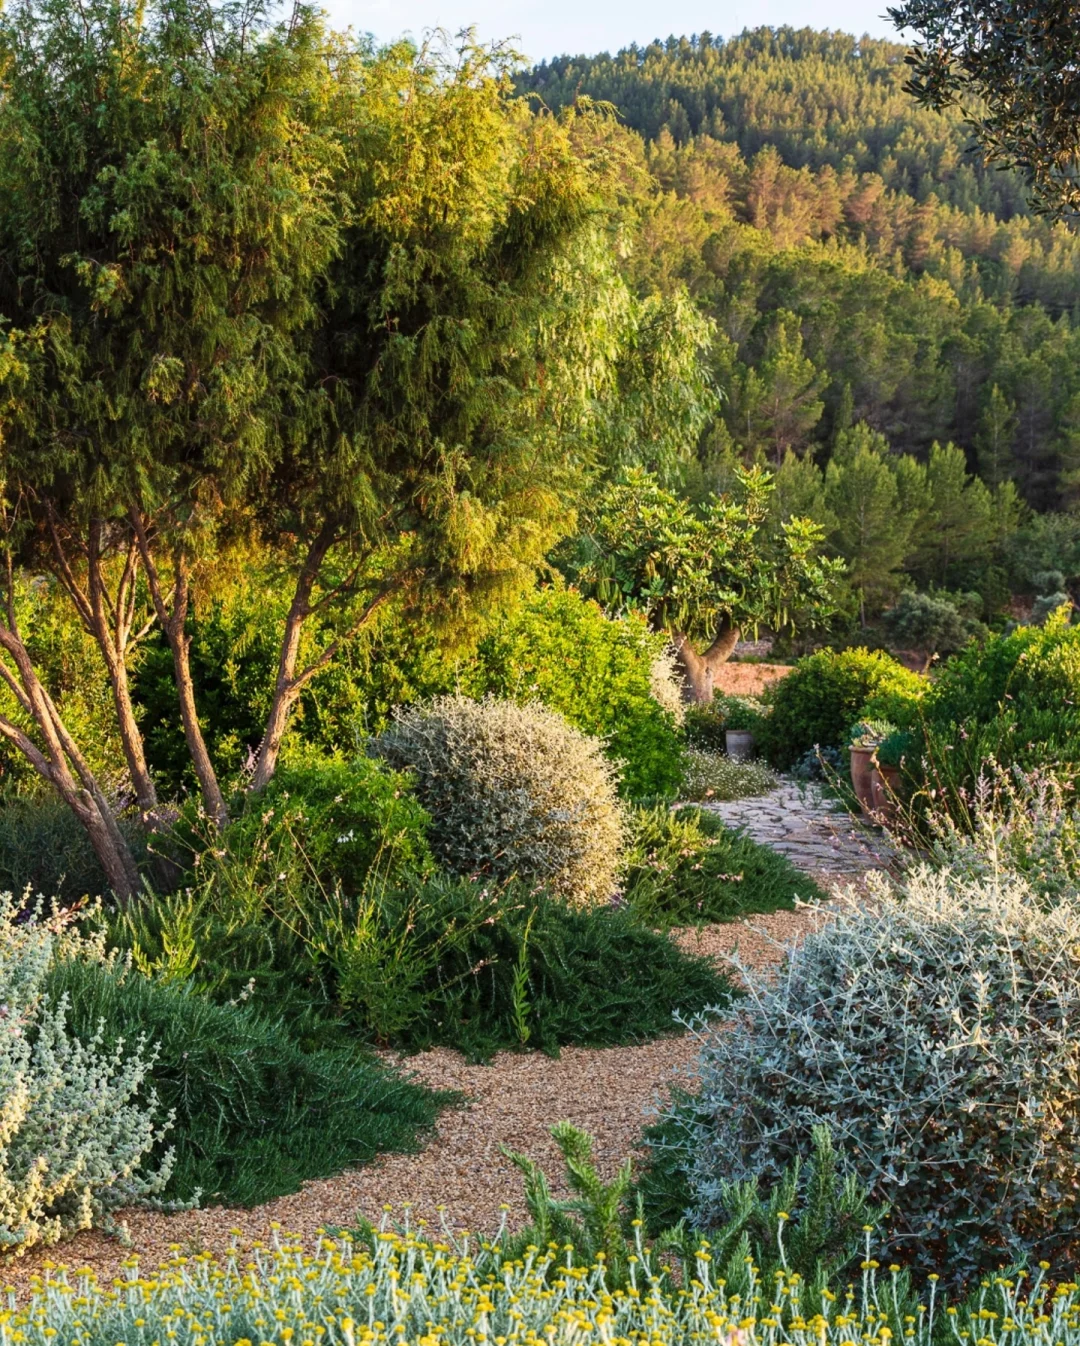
pixel 934 1034
pixel 512 790
pixel 816 703
pixel 1015 699
pixel 608 676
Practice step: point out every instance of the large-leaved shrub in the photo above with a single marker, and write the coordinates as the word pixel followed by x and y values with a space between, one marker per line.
pixel 78 1117
pixel 816 703
pixel 934 1032
pixel 513 791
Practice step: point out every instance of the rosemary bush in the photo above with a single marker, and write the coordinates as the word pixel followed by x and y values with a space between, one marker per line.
pixel 934 1033
pixel 77 1118
pixel 513 791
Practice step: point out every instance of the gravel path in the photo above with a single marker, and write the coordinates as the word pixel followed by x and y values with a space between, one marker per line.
pixel 515 1100
pixel 512 1102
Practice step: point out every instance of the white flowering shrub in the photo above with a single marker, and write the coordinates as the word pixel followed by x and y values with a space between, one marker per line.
pixel 936 1032
pixel 666 684
pixel 76 1121
pixel 715 776
pixel 512 791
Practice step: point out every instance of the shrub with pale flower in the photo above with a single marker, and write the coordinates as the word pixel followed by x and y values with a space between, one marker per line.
pixel 935 1033
pixel 666 684
pixel 513 791
pixel 77 1122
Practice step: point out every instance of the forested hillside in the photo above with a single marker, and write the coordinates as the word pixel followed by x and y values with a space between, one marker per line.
pixel 859 259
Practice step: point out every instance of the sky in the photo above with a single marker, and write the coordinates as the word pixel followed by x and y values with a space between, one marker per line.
pixel 544 28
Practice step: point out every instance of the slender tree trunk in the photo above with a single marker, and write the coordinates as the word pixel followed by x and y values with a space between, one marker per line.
pixel 172 615
pixel 290 683
pixel 54 764
pixel 109 621
pixel 699 670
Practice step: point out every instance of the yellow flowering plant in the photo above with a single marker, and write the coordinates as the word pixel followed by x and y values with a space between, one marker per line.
pixel 446 1291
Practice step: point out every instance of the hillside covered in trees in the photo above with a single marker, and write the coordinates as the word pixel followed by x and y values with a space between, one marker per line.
pixel 871 281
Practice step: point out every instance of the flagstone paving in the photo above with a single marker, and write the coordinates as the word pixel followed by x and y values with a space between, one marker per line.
pixel 812 829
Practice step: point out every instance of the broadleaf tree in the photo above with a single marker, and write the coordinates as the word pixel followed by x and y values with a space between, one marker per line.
pixel 704 574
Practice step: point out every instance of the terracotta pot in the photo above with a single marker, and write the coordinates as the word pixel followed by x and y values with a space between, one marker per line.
pixel 885 784
pixel 862 764
pixel 739 744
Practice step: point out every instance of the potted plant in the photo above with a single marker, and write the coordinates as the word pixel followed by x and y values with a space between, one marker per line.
pixel 864 741
pixel 741 716
pixel 888 761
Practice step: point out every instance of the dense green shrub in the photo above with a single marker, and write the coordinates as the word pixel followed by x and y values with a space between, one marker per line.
pixel 78 1116
pixel 255 1113
pixel 513 791
pixel 349 816
pixel 44 847
pixel 601 673
pixel 686 868
pixel 1015 699
pixel 931 1031
pixel 820 698
pixel 420 962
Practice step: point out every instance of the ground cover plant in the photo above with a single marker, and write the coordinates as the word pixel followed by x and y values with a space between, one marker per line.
pixel 254 1111
pixel 686 868
pixel 930 1032
pixel 346 1291
pixel 443 960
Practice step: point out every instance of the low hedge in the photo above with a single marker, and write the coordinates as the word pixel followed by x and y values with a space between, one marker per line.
pixel 399 1288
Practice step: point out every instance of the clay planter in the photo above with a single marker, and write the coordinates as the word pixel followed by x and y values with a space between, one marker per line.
pixel 739 744
pixel 862 765
pixel 885 786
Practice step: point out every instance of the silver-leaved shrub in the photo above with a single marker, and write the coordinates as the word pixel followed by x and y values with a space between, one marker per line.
pixel 77 1121
pixel 936 1032
pixel 512 790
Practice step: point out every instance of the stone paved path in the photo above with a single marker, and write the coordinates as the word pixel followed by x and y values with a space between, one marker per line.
pixel 811 829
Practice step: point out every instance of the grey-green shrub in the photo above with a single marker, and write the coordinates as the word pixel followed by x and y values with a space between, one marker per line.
pixel 77 1120
pixel 935 1033
pixel 512 791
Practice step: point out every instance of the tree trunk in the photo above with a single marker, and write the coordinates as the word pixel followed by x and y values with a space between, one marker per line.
pixel 109 621
pixel 699 670
pixel 173 618
pixel 87 802
pixel 290 683
pixel 286 689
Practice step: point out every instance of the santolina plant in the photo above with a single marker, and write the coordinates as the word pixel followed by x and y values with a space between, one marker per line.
pixel 441 1292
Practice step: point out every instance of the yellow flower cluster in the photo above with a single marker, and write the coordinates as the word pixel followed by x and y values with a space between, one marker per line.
pixel 407 1290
